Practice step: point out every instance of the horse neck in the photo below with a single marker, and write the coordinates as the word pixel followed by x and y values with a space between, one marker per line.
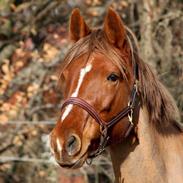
pixel 154 158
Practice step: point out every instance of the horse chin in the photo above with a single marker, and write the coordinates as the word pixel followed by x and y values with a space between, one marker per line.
pixel 77 164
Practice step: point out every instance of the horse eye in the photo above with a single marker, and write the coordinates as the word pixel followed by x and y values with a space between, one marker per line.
pixel 112 77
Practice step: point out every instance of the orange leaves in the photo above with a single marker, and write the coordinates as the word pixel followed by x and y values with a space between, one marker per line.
pixel 49 52
pixel 50 97
pixel 25 82
pixel 17 140
pixel 3 119
pixel 5 68
pixel 32 89
pixel 93 2
pixel 20 59
pixel 17 98
pixel 54 78
pixel 10 109
pixel 4 167
pixel 6 75
pixel 42 173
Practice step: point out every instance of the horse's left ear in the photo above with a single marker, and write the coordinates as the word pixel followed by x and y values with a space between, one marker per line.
pixel 114 28
pixel 78 27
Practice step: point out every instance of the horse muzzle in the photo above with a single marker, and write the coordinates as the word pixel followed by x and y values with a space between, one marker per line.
pixel 67 152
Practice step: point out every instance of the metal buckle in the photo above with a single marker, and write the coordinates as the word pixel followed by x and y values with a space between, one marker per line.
pixel 103 131
pixel 103 139
pixel 136 85
pixel 130 117
pixel 130 104
pixel 89 161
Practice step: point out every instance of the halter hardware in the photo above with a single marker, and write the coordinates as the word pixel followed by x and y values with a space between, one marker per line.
pixel 131 103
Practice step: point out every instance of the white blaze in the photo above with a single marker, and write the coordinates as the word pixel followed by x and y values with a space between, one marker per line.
pixel 58 145
pixel 83 72
pixel 49 142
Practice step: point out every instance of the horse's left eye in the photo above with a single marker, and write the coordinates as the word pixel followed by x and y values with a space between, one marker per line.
pixel 112 77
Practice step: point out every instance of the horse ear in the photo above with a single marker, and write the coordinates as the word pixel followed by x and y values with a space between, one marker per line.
pixel 114 28
pixel 78 27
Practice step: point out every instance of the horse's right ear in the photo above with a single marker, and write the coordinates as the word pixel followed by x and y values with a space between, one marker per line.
pixel 77 27
pixel 114 28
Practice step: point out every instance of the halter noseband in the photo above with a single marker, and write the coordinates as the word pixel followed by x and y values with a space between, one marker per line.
pixel 104 126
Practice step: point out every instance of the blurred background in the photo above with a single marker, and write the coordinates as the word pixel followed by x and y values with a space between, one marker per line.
pixel 33 42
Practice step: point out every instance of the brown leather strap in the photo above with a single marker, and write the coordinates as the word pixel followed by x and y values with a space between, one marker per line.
pixel 84 105
pixel 87 107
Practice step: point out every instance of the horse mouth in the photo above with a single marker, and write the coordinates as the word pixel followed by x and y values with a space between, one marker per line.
pixel 69 166
pixel 77 164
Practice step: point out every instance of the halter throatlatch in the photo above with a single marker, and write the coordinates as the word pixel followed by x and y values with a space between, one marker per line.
pixel 104 126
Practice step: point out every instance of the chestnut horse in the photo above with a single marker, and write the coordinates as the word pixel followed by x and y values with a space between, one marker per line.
pixel 113 99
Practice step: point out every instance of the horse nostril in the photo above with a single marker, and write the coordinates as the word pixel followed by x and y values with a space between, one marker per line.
pixel 72 145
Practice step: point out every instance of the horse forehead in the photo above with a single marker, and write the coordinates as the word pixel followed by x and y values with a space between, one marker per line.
pixel 96 59
pixel 83 66
pixel 106 63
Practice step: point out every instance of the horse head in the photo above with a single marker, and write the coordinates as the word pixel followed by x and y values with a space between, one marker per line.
pixel 99 89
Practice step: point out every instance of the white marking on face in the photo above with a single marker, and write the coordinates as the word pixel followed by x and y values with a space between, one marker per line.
pixel 83 72
pixel 49 142
pixel 52 151
pixel 52 160
pixel 58 145
pixel 66 112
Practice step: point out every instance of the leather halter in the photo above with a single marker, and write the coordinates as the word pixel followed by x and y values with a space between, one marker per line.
pixel 104 126
pixel 127 111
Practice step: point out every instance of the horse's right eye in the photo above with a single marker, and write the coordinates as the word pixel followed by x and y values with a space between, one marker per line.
pixel 112 77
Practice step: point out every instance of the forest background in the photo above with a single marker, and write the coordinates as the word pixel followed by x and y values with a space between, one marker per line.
pixel 33 42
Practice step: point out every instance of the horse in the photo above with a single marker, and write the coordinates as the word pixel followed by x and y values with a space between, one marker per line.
pixel 113 100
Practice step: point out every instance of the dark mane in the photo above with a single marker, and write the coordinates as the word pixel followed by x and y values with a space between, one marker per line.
pixel 160 104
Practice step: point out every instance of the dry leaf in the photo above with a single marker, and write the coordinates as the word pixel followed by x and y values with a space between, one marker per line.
pixel 34 132
pixel 19 64
pixel 32 89
pixel 17 141
pixel 12 113
pixel 5 68
pixel 42 173
pixel 5 107
pixel 54 77
pixel 49 52
pixel 5 167
pixel 3 119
